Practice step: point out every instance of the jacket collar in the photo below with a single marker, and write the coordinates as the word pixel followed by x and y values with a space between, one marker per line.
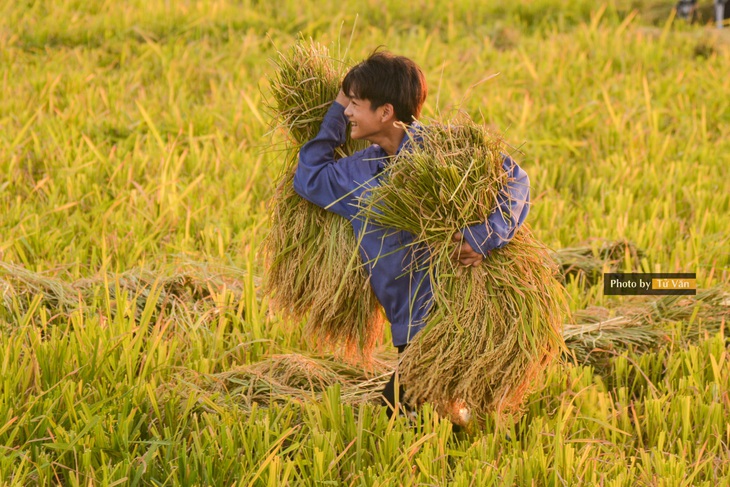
pixel 411 135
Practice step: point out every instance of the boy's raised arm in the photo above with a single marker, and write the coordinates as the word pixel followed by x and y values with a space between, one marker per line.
pixel 501 225
pixel 319 178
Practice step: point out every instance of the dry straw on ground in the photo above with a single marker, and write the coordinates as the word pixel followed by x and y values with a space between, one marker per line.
pixel 588 262
pixel 313 270
pixel 643 325
pixel 171 289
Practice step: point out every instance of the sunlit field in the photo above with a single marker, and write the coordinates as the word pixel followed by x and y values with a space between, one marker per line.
pixel 137 161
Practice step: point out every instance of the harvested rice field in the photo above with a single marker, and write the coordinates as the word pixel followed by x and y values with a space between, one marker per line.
pixel 160 325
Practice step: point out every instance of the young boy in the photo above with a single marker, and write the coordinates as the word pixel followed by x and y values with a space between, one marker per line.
pixel 381 98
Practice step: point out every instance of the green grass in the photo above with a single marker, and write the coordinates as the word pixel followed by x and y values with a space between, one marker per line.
pixel 134 141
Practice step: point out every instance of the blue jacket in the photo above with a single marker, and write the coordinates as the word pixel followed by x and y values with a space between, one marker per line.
pixel 403 289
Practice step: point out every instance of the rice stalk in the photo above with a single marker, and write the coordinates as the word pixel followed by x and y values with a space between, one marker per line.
pixel 313 269
pixel 491 329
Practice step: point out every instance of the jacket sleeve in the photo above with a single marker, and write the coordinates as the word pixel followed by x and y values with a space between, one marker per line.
pixel 320 178
pixel 513 206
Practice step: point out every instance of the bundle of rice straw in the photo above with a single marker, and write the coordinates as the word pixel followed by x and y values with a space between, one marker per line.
pixel 313 267
pixel 491 329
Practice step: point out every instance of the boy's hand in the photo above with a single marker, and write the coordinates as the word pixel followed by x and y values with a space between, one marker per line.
pixel 342 99
pixel 464 253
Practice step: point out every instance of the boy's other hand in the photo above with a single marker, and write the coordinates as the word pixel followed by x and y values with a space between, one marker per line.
pixel 464 253
pixel 342 99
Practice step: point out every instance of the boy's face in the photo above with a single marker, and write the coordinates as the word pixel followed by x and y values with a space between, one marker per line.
pixel 366 123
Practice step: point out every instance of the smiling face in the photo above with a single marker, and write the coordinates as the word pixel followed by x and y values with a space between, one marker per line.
pixel 365 122
pixel 384 78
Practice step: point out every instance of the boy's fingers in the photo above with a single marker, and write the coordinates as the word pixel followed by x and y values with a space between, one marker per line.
pixel 469 260
pixel 464 253
pixel 467 250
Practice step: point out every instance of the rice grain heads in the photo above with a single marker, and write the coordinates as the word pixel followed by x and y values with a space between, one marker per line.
pixel 313 270
pixel 491 329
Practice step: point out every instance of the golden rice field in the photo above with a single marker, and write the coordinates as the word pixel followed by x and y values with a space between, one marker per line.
pixel 137 163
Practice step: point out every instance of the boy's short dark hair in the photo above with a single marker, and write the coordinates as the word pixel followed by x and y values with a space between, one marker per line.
pixel 386 78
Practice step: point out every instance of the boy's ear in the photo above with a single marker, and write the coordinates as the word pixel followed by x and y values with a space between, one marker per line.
pixel 388 112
